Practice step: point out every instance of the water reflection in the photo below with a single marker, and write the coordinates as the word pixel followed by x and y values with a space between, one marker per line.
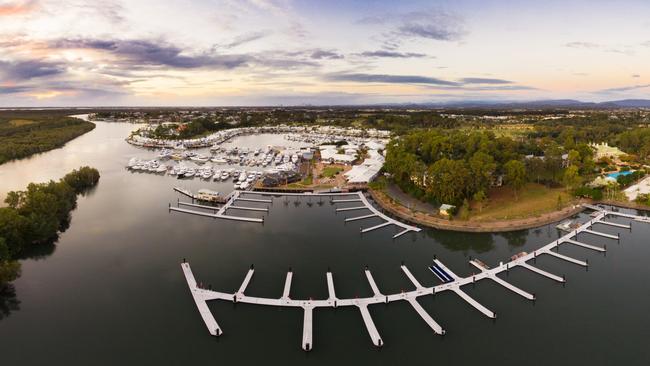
pixel 8 301
pixel 115 275
pixel 477 242
pixel 39 252
pixel 516 238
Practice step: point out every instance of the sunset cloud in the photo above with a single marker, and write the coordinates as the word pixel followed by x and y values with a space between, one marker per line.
pixel 68 52
pixel 17 7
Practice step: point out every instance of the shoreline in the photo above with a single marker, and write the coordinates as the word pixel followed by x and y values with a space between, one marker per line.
pixel 476 227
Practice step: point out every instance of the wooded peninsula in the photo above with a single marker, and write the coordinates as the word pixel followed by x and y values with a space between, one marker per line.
pixel 27 132
pixel 37 215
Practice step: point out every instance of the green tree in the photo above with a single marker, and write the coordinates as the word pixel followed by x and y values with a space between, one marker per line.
pixel 480 197
pixel 575 158
pixel 553 161
pixel 14 229
pixel 571 178
pixel 481 166
pixel 82 179
pixel 515 175
pixel 536 169
pixel 447 181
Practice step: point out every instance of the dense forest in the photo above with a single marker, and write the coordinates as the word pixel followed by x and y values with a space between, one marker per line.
pixel 37 215
pixel 595 125
pixel 451 165
pixel 27 132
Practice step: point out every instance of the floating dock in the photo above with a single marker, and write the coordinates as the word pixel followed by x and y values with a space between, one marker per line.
pixel 451 282
pixel 246 196
pixel 219 212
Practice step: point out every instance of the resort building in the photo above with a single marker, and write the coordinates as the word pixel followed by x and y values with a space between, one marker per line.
pixel 367 170
pixel 330 154
pixel 603 150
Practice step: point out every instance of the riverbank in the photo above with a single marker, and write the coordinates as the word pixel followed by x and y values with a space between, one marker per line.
pixel 25 133
pixel 424 219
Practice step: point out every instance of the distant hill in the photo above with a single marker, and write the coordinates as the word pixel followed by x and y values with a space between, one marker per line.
pixel 541 104
pixel 630 103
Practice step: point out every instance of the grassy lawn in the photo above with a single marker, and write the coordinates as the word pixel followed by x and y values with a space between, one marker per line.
pixel 21 122
pixel 331 171
pixel 309 180
pixel 533 200
pixel 298 185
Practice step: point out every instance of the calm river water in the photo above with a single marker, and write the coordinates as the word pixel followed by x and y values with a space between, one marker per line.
pixel 111 290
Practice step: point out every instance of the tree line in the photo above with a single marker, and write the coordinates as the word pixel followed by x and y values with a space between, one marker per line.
pixel 450 166
pixel 24 134
pixel 37 215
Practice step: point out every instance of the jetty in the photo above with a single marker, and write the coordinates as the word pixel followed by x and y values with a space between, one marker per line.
pixel 219 212
pixel 254 196
pixel 450 282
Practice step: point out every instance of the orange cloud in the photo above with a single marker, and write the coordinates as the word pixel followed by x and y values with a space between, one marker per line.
pixel 19 7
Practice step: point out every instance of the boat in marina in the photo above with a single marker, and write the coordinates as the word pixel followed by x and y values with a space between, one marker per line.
pixel 200 158
pixel 206 173
pixel 210 196
pixel 568 225
pixel 518 255
pixel 165 154
pixel 189 173
pixel 133 162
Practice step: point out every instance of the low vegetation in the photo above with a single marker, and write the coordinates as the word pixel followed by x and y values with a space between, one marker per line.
pixel 37 215
pixel 331 171
pixel 24 133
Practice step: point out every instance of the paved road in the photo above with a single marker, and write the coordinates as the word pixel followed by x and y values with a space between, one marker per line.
pixel 411 202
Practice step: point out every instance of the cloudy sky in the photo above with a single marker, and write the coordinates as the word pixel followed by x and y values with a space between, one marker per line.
pixel 272 52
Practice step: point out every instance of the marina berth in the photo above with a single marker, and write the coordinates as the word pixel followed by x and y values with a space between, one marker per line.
pixel 219 151
pixel 450 282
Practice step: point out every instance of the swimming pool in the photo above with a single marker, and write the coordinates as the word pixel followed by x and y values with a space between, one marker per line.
pixel 617 174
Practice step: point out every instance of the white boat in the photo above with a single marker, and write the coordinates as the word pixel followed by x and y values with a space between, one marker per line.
pixel 206 174
pixel 219 160
pixel 209 195
pixel 132 162
pixel 200 158
pixel 165 154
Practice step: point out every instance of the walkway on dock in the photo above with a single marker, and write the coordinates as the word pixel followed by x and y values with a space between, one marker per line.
pixel 346 197
pixel 220 212
pixel 245 196
pixel 452 282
